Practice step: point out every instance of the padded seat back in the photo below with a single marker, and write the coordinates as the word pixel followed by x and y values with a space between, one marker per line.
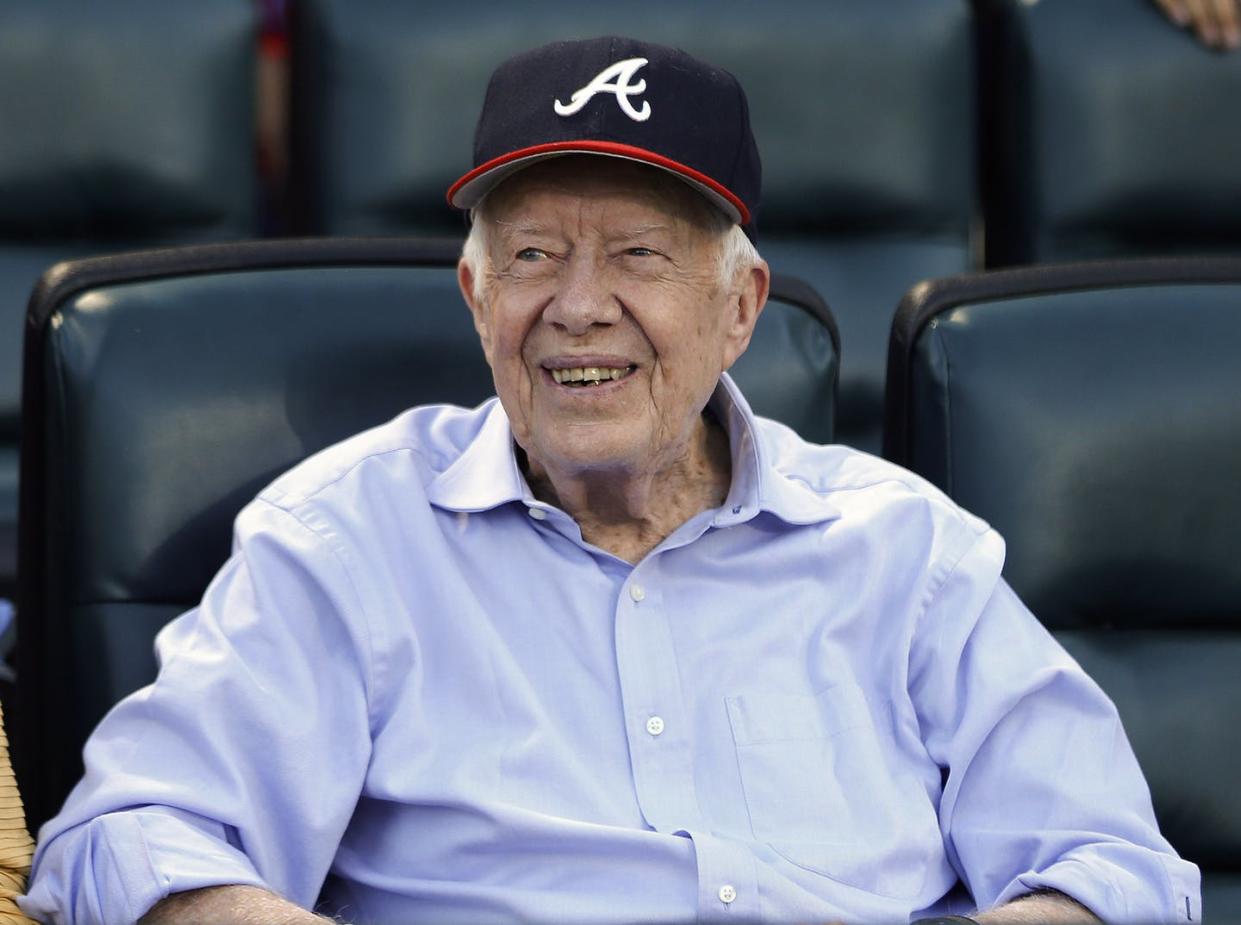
pixel 1110 133
pixel 165 389
pixel 121 123
pixel 863 112
pixel 1092 414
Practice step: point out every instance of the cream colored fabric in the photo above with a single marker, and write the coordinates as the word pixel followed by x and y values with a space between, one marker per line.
pixel 16 845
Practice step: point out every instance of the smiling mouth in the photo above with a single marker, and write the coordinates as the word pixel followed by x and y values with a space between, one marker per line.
pixel 586 376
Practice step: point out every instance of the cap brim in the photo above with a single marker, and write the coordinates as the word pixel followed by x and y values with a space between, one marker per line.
pixel 469 191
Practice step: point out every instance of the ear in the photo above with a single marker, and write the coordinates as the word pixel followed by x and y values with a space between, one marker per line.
pixel 746 305
pixel 465 281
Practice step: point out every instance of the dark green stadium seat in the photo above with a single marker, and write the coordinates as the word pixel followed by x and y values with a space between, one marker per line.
pixel 864 114
pixel 1092 414
pixel 163 390
pixel 121 124
pixel 1109 133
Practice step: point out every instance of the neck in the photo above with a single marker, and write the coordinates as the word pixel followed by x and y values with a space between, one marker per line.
pixel 628 513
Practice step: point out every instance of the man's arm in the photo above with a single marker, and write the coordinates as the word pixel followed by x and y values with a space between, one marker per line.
pixel 1046 907
pixel 243 762
pixel 229 905
pixel 1043 792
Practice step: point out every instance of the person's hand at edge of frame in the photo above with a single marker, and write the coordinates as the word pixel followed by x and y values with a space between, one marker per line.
pixel 1216 23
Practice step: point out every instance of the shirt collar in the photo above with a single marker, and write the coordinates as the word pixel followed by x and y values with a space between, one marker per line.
pixel 486 475
pixel 757 484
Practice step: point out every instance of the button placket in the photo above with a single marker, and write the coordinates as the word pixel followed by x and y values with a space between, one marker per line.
pixel 652 699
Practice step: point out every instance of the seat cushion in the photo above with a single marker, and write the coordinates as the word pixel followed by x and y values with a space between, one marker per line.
pixel 1111 133
pixel 126 119
pixel 1097 428
pixel 863 281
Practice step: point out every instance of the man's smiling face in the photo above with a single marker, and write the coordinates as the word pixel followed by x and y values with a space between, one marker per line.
pixel 603 313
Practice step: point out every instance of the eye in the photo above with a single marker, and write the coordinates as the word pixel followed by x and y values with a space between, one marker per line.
pixel 530 254
pixel 640 252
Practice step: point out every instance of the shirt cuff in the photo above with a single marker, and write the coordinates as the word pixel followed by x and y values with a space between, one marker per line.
pixel 1143 890
pixel 117 866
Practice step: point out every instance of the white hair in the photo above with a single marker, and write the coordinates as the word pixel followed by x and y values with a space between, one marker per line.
pixel 735 253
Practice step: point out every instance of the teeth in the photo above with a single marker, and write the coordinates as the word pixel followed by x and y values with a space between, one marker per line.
pixel 590 374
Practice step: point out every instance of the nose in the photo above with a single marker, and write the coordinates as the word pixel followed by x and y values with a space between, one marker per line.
pixel 584 297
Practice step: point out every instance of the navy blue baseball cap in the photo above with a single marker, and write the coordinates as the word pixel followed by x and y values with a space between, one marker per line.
pixel 623 98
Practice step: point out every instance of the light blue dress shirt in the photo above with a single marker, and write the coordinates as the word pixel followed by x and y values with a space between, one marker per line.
pixel 416 693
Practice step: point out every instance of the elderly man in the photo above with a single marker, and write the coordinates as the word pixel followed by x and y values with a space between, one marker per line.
pixel 610 648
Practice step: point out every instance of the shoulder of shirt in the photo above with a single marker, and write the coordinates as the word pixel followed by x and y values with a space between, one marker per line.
pixel 428 438
pixel 853 480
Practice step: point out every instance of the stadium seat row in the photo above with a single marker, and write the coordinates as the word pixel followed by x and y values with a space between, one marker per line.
pixel 1090 130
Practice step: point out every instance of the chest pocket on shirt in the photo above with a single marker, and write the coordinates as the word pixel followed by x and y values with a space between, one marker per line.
pixel 821 791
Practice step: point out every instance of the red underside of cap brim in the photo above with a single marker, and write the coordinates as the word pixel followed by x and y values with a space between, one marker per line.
pixel 610 148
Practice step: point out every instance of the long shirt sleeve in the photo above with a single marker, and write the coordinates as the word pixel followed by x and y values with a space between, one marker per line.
pixel 243 762
pixel 1043 790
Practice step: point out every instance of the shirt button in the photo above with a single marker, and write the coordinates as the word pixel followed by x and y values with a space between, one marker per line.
pixel 655 725
pixel 537 513
pixel 727 893
pixel 636 592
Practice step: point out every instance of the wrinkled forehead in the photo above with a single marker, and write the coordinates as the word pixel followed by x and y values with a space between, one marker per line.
pixel 603 187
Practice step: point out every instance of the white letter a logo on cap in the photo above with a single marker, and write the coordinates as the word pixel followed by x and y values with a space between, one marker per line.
pixel 622 73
